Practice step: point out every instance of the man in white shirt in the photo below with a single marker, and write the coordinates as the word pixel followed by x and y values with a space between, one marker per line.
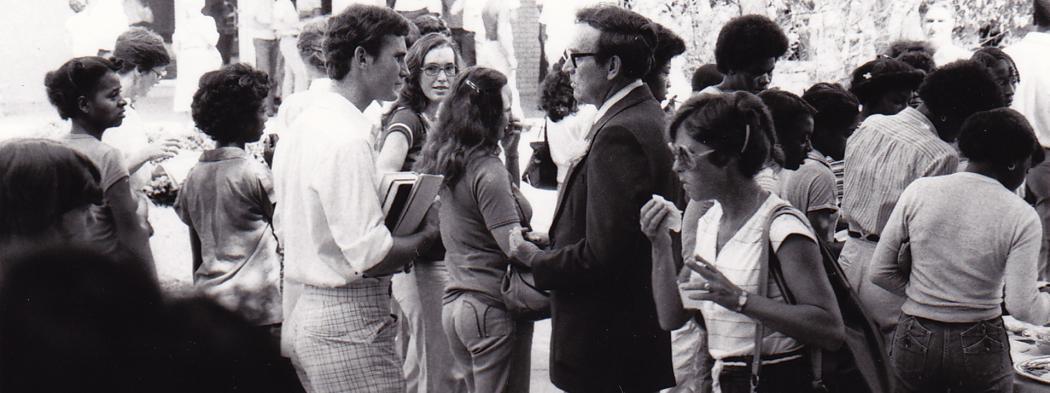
pixel 1032 56
pixel 330 219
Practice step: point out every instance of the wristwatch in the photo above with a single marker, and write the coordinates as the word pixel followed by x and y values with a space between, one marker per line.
pixel 741 301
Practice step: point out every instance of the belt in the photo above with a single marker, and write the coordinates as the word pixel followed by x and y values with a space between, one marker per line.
pixel 858 235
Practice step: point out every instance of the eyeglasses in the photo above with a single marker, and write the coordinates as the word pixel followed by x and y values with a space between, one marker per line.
pixel 685 159
pixel 450 70
pixel 160 74
pixel 574 57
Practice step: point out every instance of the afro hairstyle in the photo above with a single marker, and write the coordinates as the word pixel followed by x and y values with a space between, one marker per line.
pixel 960 89
pixel 999 136
pixel 556 96
pixel 746 40
pixel 227 102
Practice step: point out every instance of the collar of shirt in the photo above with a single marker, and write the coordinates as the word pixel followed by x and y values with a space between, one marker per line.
pixel 608 104
pixel 320 84
pixel 222 154
pixel 912 114
pixel 818 156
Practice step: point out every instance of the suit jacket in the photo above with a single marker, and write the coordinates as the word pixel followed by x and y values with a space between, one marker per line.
pixel 605 332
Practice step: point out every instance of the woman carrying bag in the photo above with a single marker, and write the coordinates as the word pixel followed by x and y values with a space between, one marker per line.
pixel 719 143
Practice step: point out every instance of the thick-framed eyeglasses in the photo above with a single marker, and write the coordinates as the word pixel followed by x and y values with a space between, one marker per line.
pixel 573 57
pixel 450 69
pixel 684 158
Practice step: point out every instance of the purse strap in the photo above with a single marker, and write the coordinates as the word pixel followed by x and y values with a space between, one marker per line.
pixel 763 286
pixel 771 267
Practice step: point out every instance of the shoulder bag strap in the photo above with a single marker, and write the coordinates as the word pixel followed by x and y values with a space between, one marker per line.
pixel 763 284
pixel 815 354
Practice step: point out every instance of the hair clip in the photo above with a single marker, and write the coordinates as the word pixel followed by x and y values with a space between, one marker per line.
pixel 747 138
pixel 472 86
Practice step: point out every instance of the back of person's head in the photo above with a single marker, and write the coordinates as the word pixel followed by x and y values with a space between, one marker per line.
pixel 77 78
pixel 428 23
pixel 625 34
pixel 141 50
pixel 1041 13
pixel 229 101
pixel 1001 137
pixel 736 125
pixel 957 90
pixel 877 77
pixel 73 319
pixel 311 43
pixel 705 76
pixel 471 120
pixel 746 40
pixel 215 350
pixel 837 109
pixel 921 61
pixel 40 181
pixel 359 26
pixel 900 47
pixel 411 95
pixel 556 94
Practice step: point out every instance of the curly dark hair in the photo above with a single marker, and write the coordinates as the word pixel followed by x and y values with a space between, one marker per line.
pixel 705 76
pixel 625 34
pixel 837 109
pixel 77 78
pixel 919 60
pixel 734 124
pixel 362 26
pixel 428 23
pixel 990 57
pixel 958 90
pixel 900 47
pixel 668 45
pixel 748 39
pixel 556 97
pixel 140 49
pixel 411 95
pixel 311 42
pixel 227 102
pixel 874 78
pixel 787 109
pixel 470 121
pixel 999 136
pixel 40 180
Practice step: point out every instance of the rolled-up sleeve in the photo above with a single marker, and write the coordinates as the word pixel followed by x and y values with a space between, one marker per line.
pixel 348 193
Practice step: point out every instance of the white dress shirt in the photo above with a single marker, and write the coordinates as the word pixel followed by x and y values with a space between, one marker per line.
pixel 608 104
pixel 1032 56
pixel 328 214
pixel 295 104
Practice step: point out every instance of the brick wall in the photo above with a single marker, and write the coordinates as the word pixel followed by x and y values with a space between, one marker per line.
pixel 527 47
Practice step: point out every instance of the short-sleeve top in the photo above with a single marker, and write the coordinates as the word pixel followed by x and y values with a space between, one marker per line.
pixel 227 200
pixel 110 163
pixel 480 201
pixel 731 333
pixel 414 126
pixel 812 187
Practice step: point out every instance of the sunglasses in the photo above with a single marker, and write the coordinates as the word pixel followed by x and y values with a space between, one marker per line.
pixel 450 70
pixel 684 158
pixel 573 57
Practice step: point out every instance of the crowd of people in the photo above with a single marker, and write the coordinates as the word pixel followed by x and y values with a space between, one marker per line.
pixel 689 249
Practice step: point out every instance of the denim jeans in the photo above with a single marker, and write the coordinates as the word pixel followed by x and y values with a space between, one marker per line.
pixel 491 348
pixel 933 356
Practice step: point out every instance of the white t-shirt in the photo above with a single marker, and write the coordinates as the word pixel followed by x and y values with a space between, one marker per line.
pixel 730 333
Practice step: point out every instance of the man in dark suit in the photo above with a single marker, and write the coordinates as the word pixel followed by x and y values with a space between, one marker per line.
pixel 605 334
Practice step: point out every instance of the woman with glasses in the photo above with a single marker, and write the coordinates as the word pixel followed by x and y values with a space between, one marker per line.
pixel 720 142
pixel 432 65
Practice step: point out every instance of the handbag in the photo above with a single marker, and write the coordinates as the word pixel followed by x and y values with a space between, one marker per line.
pixel 541 173
pixel 861 363
pixel 521 297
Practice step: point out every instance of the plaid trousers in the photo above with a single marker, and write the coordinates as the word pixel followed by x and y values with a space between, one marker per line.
pixel 344 338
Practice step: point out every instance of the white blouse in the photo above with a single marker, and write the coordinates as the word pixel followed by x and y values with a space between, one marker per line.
pixel 730 333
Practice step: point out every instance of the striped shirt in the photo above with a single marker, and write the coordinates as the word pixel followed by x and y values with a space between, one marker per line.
pixel 838 168
pixel 883 157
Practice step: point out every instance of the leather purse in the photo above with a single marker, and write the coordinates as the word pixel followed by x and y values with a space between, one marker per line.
pixel 518 288
pixel 541 173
